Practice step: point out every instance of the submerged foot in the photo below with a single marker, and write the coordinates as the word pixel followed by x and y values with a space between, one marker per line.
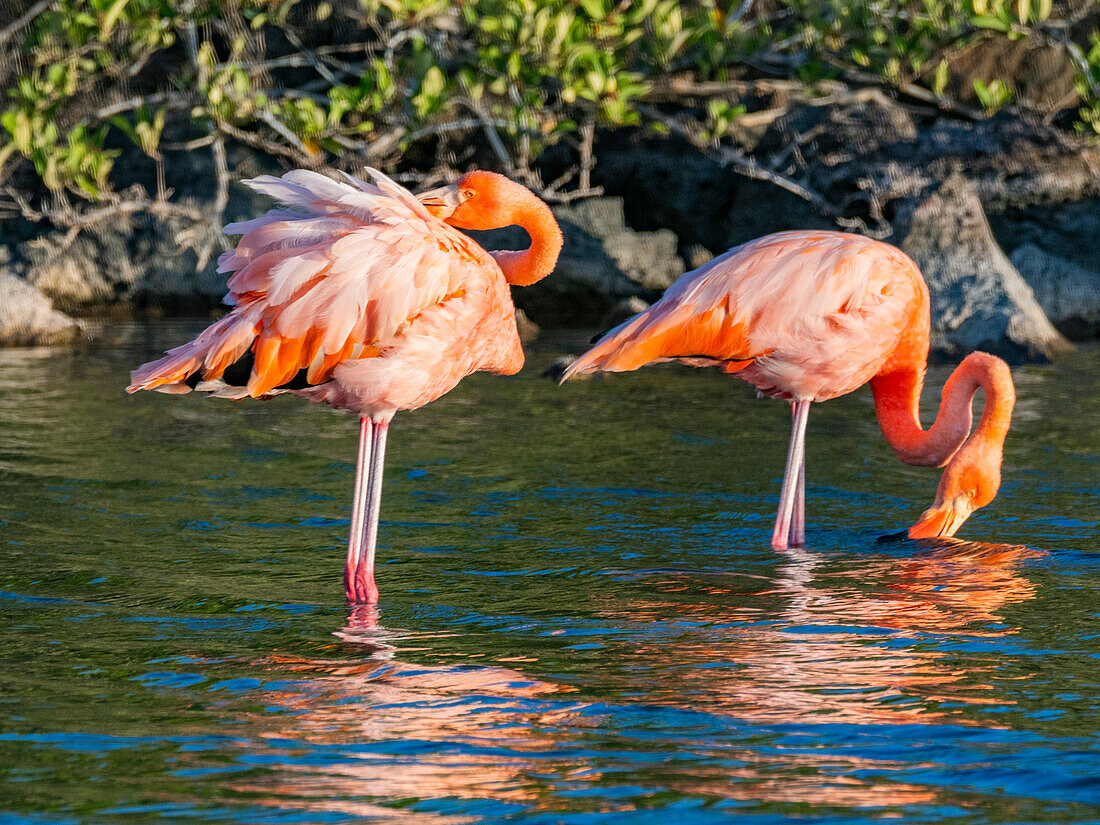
pixel 360 589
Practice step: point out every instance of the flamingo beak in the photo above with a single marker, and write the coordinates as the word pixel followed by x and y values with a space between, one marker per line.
pixel 442 202
pixel 943 518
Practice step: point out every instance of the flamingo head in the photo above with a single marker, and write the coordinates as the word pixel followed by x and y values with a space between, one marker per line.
pixel 477 200
pixel 486 200
pixel 969 481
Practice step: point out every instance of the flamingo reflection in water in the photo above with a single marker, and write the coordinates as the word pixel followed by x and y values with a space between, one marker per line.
pixel 809 656
pixel 387 729
pixel 460 720
pixel 811 659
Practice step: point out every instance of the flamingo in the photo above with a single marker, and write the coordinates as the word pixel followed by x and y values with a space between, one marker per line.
pixel 366 298
pixel 807 316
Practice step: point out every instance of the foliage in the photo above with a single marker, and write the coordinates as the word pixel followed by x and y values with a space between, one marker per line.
pixel 364 80
pixel 993 95
pixel 1088 87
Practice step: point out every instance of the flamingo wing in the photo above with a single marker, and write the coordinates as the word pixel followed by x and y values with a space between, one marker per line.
pixel 335 277
pixel 787 291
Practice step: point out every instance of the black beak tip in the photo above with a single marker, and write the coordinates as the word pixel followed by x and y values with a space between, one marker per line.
pixel 891 538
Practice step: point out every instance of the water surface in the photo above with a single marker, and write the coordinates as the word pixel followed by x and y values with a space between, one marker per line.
pixel 581 618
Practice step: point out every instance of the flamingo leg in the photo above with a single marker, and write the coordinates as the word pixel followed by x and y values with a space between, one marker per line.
pixel 800 411
pixel 366 592
pixel 352 587
pixel 798 516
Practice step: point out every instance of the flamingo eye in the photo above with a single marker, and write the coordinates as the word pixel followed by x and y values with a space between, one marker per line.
pixel 467 194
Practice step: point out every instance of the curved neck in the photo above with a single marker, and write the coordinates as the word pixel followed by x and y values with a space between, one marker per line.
pixel 537 261
pixel 897 404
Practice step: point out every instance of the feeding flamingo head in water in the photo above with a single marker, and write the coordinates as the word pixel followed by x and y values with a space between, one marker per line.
pixel 972 477
pixel 967 484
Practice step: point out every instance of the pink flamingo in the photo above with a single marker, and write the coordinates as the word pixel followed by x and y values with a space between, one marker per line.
pixel 808 316
pixel 366 298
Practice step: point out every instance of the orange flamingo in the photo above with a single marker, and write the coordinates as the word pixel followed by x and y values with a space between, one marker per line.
pixel 364 297
pixel 808 316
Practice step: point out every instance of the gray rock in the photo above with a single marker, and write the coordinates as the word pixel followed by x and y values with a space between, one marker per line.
pixel 528 330
pixel 28 319
pixel 626 308
pixel 138 260
pixel 668 183
pixel 697 255
pixel 71 277
pixel 647 259
pixel 1066 230
pixel 1069 294
pixel 866 155
pixel 1043 77
pixel 979 300
pixel 557 369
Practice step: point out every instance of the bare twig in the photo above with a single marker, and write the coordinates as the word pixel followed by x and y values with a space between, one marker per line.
pixel 456 126
pixel 309 157
pixel 729 156
pixel 221 199
pixel 523 155
pixel 742 10
pixel 171 100
pixel 916 92
pixel 76 221
pixel 257 142
pixel 310 57
pixel 680 87
pixel 1058 37
pixel 553 194
pixel 588 138
pixel 190 37
pixel 491 135
pixel 191 145
pixel 397 40
pixel 10 31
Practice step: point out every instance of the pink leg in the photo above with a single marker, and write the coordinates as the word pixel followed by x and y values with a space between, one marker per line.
pixel 365 591
pixel 798 517
pixel 355 589
pixel 800 411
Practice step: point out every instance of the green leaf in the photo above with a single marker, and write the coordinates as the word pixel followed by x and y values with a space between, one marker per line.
pixel 596 9
pixel 112 17
pixel 989 22
pixel 434 82
pixel 939 81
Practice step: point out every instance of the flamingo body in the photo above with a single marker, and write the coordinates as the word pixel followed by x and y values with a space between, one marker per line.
pixel 800 315
pixel 384 306
pixel 807 316
pixel 367 298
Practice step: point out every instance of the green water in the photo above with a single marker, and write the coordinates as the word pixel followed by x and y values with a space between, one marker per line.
pixel 581 618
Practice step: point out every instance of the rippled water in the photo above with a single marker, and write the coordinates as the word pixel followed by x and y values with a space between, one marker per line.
pixel 581 619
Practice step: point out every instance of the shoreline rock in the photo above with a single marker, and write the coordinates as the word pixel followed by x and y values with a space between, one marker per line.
pixel 1068 293
pixel 979 299
pixel 28 319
